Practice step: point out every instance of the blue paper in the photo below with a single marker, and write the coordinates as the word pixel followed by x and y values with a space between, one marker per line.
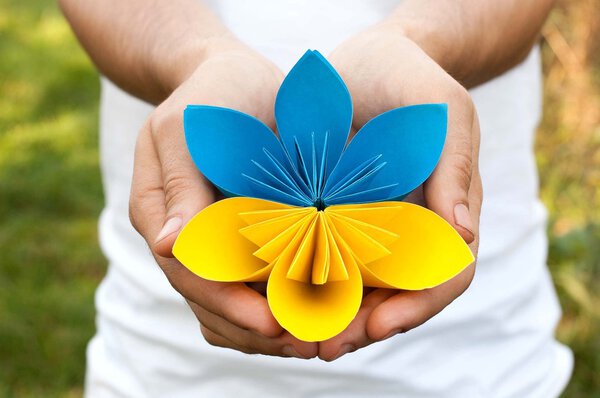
pixel 410 141
pixel 308 166
pixel 226 145
pixel 313 102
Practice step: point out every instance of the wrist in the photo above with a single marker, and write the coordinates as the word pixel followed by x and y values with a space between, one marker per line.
pixel 437 37
pixel 187 58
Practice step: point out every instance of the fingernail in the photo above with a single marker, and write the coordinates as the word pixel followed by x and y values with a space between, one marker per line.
pixel 290 351
pixel 172 225
pixel 344 349
pixel 462 217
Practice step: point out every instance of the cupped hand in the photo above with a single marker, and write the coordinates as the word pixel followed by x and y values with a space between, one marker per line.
pixel 383 70
pixel 167 190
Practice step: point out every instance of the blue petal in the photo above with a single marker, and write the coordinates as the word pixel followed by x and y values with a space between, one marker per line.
pixel 314 99
pixel 409 141
pixel 236 152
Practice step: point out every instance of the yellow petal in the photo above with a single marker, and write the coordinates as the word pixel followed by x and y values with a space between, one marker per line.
pixel 320 268
pixel 370 279
pixel 257 216
pixel 337 267
pixel 211 245
pixel 273 249
pixel 363 246
pixel 427 253
pixel 313 312
pixel 379 214
pixel 381 235
pixel 262 232
pixel 300 268
pixel 349 258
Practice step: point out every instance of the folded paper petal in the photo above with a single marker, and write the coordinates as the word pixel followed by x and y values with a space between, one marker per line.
pixel 401 148
pixel 212 247
pixel 240 155
pixel 353 257
pixel 427 253
pixel 274 235
pixel 314 99
pixel 313 312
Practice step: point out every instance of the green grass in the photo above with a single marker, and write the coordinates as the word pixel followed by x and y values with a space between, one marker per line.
pixel 569 158
pixel 50 198
pixel 50 195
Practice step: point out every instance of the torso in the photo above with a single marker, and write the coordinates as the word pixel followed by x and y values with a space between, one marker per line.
pixel 494 341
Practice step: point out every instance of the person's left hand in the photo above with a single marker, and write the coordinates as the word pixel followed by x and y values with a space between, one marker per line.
pixel 383 70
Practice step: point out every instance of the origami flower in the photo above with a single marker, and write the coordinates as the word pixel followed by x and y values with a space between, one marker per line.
pixel 315 218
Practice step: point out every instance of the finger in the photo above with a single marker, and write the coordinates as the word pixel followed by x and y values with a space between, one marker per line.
pixel 216 340
pixel 476 189
pixel 409 309
pixel 283 345
pixel 416 197
pixel 355 335
pixel 447 189
pixel 259 287
pixel 147 198
pixel 235 302
pixel 186 190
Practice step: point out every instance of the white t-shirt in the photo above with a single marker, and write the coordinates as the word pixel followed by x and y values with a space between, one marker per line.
pixel 496 340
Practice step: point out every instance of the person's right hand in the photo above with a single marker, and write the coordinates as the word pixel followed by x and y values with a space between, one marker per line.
pixel 167 190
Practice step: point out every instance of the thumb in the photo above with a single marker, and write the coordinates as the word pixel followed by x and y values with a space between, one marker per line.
pixel 448 188
pixel 186 191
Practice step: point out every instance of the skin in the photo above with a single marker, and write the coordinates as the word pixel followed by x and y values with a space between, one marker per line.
pixel 177 53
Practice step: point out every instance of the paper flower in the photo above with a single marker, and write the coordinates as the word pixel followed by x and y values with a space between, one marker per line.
pixel 315 218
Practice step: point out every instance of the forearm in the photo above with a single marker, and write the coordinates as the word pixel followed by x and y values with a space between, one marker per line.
pixel 147 47
pixel 473 40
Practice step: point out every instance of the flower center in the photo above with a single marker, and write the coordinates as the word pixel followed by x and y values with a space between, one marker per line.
pixel 305 180
pixel 316 246
pixel 319 203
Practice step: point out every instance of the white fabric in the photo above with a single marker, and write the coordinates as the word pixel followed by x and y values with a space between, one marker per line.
pixel 496 340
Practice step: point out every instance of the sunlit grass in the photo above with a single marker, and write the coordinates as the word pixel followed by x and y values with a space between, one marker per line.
pixel 569 158
pixel 50 195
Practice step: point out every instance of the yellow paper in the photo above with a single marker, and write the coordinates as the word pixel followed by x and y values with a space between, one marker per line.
pixel 211 245
pixel 262 232
pixel 349 258
pixel 313 312
pixel 337 267
pixel 364 246
pixel 300 268
pixel 427 253
pixel 317 262
pixel 273 249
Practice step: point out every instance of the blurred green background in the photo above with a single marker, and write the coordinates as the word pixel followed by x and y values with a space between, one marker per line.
pixel 51 195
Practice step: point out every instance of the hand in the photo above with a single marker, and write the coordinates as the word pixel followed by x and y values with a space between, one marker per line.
pixel 384 70
pixel 167 190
